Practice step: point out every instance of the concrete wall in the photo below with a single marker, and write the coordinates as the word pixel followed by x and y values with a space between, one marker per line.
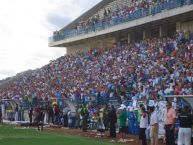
pixel 163 31
pixel 185 26
pixel 84 47
pixel 77 48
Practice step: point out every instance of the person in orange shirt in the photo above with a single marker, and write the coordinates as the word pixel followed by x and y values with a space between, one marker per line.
pixel 170 119
pixel 174 53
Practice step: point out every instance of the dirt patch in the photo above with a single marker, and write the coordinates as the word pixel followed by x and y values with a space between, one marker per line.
pixel 131 139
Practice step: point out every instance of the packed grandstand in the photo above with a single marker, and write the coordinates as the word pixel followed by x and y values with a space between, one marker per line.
pixel 142 70
pixel 125 72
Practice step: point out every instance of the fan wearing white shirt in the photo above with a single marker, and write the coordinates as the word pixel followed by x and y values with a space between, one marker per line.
pixel 143 125
pixel 153 126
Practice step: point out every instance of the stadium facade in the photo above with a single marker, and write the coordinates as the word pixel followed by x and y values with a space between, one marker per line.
pixel 157 20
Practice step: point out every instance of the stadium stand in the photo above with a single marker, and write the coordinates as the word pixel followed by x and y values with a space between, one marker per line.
pixel 118 12
pixel 135 61
pixel 144 69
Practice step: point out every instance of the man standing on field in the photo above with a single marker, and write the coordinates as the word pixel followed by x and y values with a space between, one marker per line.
pixel 170 117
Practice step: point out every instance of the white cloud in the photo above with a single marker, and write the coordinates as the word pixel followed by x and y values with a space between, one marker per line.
pixel 24 31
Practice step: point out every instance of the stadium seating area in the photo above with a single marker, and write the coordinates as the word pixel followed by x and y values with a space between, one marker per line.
pixel 118 12
pixel 146 69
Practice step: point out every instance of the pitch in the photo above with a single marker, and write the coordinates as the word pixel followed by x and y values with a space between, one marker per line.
pixel 12 135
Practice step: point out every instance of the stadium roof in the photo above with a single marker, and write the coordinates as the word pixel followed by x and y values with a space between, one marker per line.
pixel 87 14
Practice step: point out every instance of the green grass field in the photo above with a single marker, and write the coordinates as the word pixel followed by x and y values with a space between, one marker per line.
pixel 10 135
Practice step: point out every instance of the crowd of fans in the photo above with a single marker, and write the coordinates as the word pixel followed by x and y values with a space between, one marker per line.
pixel 141 70
pixel 122 11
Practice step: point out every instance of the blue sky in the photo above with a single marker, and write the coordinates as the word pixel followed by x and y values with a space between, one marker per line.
pixel 25 26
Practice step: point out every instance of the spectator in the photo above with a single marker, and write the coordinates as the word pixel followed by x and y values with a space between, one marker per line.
pixel 1 119
pixel 65 119
pixel 84 113
pixel 154 126
pixel 21 113
pixel 143 125
pixel 105 117
pixel 16 113
pixel 113 121
pixel 123 119
pixel 39 118
pixel 185 128
pixel 30 114
pixel 50 114
pixel 170 117
pixel 56 114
